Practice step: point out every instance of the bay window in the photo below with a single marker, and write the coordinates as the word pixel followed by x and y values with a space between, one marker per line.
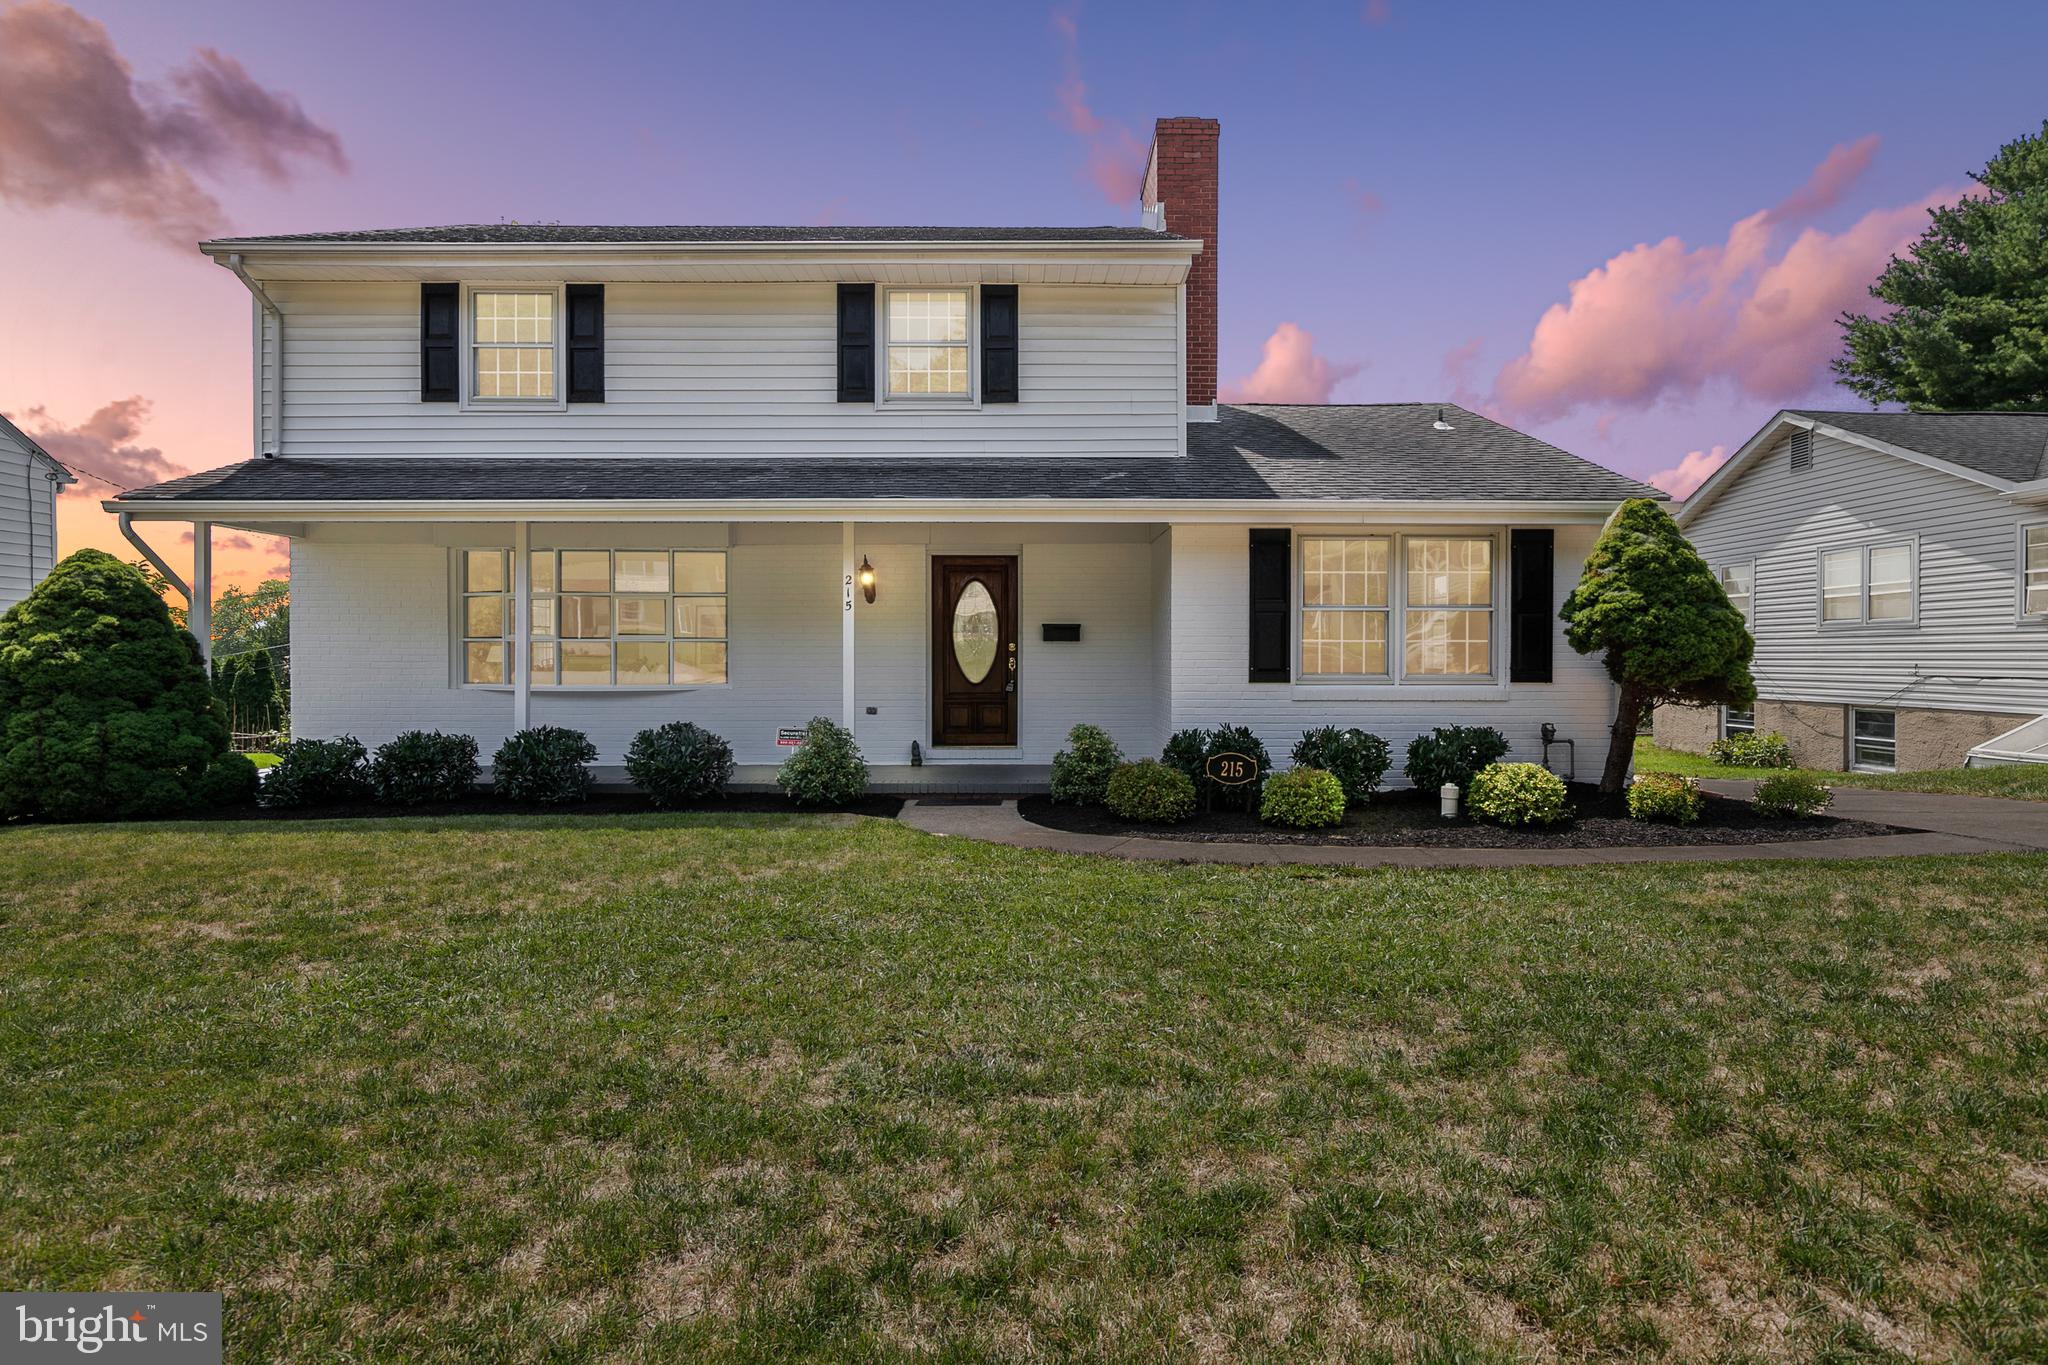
pixel 600 618
pixel 1368 602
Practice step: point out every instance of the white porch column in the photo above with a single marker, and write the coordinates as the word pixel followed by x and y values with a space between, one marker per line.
pixel 199 605
pixel 849 567
pixel 521 662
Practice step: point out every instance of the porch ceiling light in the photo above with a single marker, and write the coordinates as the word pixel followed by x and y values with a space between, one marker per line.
pixel 867 580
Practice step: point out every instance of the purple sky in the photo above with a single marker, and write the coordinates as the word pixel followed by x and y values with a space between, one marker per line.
pixel 1622 227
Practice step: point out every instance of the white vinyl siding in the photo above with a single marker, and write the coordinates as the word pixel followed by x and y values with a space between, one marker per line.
pixel 732 371
pixel 1966 646
pixel 28 521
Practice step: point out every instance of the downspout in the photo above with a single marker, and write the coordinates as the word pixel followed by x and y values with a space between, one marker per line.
pixel 127 525
pixel 241 272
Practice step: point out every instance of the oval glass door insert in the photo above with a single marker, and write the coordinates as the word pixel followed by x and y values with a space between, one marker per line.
pixel 974 631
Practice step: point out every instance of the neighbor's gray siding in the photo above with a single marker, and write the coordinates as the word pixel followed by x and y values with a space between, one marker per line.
pixel 28 520
pixel 1969 650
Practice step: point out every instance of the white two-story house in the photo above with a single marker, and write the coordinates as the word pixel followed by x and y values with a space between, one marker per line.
pixel 960 488
pixel 1894 569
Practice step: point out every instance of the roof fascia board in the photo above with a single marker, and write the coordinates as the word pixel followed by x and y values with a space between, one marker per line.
pixel 856 509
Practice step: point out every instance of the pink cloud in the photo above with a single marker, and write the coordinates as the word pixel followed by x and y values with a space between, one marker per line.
pixel 1837 173
pixel 1290 372
pixel 1366 206
pixel 102 450
pixel 1379 13
pixel 78 130
pixel 1663 320
pixel 1116 155
pixel 1683 478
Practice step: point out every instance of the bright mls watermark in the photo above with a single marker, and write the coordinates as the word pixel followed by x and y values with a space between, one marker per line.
pixel 165 1329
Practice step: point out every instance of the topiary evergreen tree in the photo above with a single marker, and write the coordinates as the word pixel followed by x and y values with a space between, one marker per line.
pixel 1662 623
pixel 105 710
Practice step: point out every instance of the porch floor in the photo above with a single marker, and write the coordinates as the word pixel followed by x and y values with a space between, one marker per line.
pixel 948 779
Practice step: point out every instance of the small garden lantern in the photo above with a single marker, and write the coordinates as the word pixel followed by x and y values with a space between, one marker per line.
pixel 867 580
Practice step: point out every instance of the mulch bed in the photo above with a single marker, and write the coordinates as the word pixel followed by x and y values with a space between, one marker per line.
pixel 1408 818
pixel 598 803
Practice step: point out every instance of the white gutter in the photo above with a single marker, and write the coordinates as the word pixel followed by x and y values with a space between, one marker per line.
pixel 234 265
pixel 1262 511
pixel 128 530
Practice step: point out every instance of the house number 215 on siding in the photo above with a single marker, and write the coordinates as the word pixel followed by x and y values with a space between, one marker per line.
pixel 849 592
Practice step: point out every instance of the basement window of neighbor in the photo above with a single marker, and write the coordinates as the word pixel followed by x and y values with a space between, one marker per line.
pixel 600 618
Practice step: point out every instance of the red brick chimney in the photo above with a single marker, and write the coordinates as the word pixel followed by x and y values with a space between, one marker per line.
pixel 1180 178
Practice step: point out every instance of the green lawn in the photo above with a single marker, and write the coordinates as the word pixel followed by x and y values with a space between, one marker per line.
pixel 652 1088
pixel 263 760
pixel 2022 782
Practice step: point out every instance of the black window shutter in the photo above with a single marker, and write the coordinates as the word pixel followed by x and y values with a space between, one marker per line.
pixel 856 343
pixel 999 343
pixel 440 332
pixel 1531 622
pixel 1271 568
pixel 585 303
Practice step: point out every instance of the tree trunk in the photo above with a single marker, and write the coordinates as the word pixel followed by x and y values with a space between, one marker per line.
pixel 1621 742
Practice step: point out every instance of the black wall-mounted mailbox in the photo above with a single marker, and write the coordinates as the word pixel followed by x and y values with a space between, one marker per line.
pixel 1049 631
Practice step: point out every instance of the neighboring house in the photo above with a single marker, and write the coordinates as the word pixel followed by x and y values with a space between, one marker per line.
pixel 1894 569
pixel 29 480
pixel 960 488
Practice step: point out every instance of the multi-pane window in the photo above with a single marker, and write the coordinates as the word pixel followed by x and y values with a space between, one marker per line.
pixel 486 614
pixel 1448 626
pixel 928 343
pixel 628 618
pixel 512 343
pixel 1353 589
pixel 1739 582
pixel 1874 740
pixel 1734 722
pixel 1344 606
pixel 599 618
pixel 2034 571
pixel 1874 583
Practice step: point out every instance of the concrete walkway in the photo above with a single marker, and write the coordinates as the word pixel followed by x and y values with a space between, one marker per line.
pixel 1941 825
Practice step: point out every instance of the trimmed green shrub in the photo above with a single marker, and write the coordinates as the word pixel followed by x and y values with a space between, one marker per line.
pixel 1518 794
pixel 105 710
pixel 1453 753
pixel 678 763
pixel 421 766
pixel 1665 796
pixel 1769 750
pixel 1794 796
pixel 1304 798
pixel 544 765
pixel 318 772
pixel 1150 792
pixel 826 769
pixel 1080 772
pixel 1356 759
pixel 229 781
pixel 1185 753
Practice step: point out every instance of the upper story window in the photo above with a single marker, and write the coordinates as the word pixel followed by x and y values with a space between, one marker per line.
pixel 929 348
pixel 513 341
pixel 1871 583
pixel 2034 570
pixel 1739 582
pixel 1444 587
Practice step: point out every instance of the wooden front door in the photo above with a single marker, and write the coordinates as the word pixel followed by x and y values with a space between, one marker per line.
pixel 974 649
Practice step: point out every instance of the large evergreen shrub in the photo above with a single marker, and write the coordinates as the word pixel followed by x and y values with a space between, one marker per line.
pixel 424 765
pixel 826 769
pixel 1453 754
pixel 105 711
pixel 547 765
pixel 1356 759
pixel 678 763
pixel 1080 772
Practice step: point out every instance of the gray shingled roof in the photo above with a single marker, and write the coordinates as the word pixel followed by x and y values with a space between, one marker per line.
pixel 2005 445
pixel 543 234
pixel 1388 452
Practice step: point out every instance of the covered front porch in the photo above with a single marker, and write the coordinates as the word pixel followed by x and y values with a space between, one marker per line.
pixel 958 654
